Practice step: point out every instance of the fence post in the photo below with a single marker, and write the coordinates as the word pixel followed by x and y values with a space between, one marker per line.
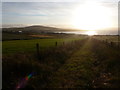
pixel 111 44
pixel 56 43
pixel 38 51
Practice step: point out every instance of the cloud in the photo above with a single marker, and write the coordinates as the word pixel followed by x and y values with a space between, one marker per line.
pixel 35 9
pixel 44 12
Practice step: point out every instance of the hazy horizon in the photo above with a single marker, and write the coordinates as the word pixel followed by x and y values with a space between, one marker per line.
pixel 69 30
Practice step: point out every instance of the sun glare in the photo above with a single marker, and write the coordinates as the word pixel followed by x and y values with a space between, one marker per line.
pixel 91 16
pixel 91 33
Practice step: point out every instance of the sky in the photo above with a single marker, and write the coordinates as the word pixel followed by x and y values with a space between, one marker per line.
pixel 53 13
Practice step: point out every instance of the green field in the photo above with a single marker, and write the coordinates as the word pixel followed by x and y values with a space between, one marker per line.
pixel 87 63
pixel 75 62
pixel 17 46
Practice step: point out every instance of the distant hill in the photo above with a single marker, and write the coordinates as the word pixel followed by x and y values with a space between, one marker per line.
pixel 36 29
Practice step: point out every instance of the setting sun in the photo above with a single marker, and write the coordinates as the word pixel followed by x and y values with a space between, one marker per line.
pixel 91 16
pixel 91 33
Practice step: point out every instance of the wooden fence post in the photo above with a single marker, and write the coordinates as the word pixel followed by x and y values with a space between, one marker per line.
pixel 111 43
pixel 56 43
pixel 38 51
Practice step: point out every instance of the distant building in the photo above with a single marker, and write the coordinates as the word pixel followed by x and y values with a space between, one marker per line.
pixel 20 31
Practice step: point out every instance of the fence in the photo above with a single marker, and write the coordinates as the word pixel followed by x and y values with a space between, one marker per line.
pixel 38 52
pixel 115 44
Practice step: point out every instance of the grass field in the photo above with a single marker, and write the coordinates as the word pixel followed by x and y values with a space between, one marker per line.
pixel 78 63
pixel 28 45
pixel 17 46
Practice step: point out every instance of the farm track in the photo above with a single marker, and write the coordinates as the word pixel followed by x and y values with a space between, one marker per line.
pixel 85 68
